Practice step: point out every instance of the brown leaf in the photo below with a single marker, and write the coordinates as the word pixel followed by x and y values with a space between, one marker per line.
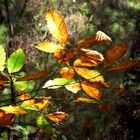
pixel 85 100
pixel 125 65
pixel 120 89
pixel 114 53
pixel 57 116
pixel 105 107
pixel 99 37
pixel 49 47
pixel 57 26
pixel 6 118
pixel 91 89
pixel 91 75
pixel 33 76
pixel 67 73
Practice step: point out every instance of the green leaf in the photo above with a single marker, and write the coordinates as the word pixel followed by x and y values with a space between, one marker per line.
pixel 57 83
pixel 2 58
pixel 16 61
pixel 42 122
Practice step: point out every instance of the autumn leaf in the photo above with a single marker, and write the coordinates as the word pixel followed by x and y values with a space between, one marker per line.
pixel 73 87
pixel 91 75
pixel 33 76
pixel 13 110
pixel 125 65
pixel 115 52
pixel 67 73
pixel 49 47
pixel 24 96
pixel 35 104
pixel 57 116
pixel 120 89
pixel 99 37
pixel 6 118
pixel 84 100
pixel 57 26
pixel 91 89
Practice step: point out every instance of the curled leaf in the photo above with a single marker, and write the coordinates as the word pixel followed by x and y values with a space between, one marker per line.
pixel 125 65
pixel 84 100
pixel 57 26
pixel 57 116
pixel 99 37
pixel 115 52
pixel 49 47
pixel 67 73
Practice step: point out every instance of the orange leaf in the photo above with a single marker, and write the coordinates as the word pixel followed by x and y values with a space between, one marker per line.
pixel 99 37
pixel 115 52
pixel 49 47
pixel 85 100
pixel 24 96
pixel 57 26
pixel 39 103
pixel 67 73
pixel 6 118
pixel 73 87
pixel 91 75
pixel 34 76
pixel 91 89
pixel 13 109
pixel 125 65
pixel 105 107
pixel 57 116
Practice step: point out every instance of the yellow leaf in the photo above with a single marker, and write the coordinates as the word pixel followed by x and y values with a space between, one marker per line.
pixel 67 73
pixel 24 96
pixel 57 116
pixel 39 103
pixel 91 75
pixel 125 65
pixel 73 87
pixel 49 47
pixel 115 52
pixel 91 89
pixel 13 109
pixel 85 100
pixel 99 37
pixel 57 26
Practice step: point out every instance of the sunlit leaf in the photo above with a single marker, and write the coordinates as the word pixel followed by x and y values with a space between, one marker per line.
pixel 24 96
pixel 35 104
pixel 125 65
pixel 49 47
pixel 42 121
pixel 57 83
pixel 91 75
pixel 6 118
pixel 115 52
pixel 67 73
pixel 16 61
pixel 105 107
pixel 13 109
pixel 99 37
pixel 21 85
pixel 84 100
pixel 73 87
pixel 91 89
pixel 57 26
pixel 2 58
pixel 58 116
pixel 33 76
